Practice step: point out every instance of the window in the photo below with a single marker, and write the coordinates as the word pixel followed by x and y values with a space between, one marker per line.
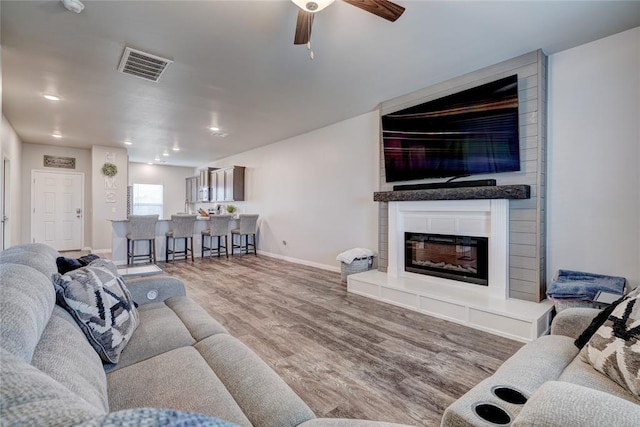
pixel 147 199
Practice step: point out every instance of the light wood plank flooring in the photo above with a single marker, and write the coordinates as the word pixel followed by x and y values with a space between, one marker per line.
pixel 345 355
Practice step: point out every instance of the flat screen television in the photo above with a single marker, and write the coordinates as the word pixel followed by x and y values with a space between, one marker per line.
pixel 468 133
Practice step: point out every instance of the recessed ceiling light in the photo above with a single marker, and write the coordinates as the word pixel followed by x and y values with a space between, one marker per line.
pixel 176 148
pixel 214 128
pixel 149 163
pixel 157 159
pixel 165 154
pixel 128 143
pixel 56 135
pixel 51 97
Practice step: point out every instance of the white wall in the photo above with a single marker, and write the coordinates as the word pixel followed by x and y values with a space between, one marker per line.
pixel 33 158
pixel 103 210
pixel 315 191
pixel 172 178
pixel 593 206
pixel 11 149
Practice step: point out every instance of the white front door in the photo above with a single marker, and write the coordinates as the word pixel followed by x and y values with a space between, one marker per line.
pixel 57 209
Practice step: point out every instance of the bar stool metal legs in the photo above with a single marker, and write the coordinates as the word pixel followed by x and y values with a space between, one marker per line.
pixel 188 248
pixel 131 251
pixel 215 250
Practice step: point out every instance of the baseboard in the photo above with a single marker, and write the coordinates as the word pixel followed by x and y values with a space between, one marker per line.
pixel 100 251
pixel 86 249
pixel 335 269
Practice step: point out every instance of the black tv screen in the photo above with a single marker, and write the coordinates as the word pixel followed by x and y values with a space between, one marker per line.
pixel 467 133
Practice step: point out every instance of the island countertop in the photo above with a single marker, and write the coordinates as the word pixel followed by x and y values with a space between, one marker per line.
pixel 119 238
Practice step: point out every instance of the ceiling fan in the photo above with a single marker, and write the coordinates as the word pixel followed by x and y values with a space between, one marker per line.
pixel 307 8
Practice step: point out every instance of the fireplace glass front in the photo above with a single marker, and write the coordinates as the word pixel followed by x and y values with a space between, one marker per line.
pixel 463 258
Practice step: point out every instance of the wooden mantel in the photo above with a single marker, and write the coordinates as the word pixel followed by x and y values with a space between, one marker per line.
pixel 462 193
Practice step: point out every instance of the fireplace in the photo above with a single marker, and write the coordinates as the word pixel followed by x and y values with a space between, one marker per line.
pixel 463 258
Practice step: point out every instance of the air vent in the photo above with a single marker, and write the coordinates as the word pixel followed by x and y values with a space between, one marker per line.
pixel 218 133
pixel 143 65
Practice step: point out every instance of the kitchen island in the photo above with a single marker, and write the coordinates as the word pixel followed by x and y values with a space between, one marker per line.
pixel 119 239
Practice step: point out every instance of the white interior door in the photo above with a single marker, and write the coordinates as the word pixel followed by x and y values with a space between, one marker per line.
pixel 57 216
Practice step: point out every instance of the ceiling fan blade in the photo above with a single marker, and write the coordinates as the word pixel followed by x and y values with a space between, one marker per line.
pixel 383 8
pixel 303 27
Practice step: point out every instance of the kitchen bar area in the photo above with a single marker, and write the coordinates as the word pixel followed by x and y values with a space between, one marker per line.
pixel 208 195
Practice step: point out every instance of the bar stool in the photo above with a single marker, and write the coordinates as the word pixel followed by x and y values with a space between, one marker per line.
pixel 218 227
pixel 141 227
pixel 248 225
pixel 181 227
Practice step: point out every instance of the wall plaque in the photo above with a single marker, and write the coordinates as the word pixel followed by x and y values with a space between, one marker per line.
pixel 59 162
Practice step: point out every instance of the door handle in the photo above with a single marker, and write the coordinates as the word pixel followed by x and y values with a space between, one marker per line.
pixel 78 212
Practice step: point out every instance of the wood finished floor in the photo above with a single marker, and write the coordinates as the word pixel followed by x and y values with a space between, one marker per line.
pixel 345 355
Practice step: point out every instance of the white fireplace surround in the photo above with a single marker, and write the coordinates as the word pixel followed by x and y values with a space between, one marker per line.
pixel 487 308
pixel 478 218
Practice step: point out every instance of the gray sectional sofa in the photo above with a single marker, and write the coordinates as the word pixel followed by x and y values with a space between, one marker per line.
pixel 178 358
pixel 547 383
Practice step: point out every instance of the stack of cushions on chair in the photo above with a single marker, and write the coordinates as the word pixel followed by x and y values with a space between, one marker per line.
pixel 94 359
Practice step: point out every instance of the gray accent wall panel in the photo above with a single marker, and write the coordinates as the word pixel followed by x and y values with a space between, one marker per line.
pixel 527 232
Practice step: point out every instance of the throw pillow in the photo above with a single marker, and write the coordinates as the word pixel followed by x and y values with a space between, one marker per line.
pixel 99 301
pixel 601 317
pixel 66 265
pixel 88 259
pixel 597 321
pixel 614 349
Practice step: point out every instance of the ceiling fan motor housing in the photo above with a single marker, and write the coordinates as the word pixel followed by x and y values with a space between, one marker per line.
pixel 312 5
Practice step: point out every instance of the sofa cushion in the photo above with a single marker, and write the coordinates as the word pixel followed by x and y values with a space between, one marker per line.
pixel 153 417
pixel 28 397
pixel 26 301
pixel 160 330
pixel 558 403
pixel 200 324
pixel 99 301
pixel 173 323
pixel 64 354
pixel 179 379
pixel 614 349
pixel 582 373
pixel 263 396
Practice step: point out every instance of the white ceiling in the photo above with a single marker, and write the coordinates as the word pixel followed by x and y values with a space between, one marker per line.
pixel 235 65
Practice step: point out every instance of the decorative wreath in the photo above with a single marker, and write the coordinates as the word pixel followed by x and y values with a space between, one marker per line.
pixel 109 169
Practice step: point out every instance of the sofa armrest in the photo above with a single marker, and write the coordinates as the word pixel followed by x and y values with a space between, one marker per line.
pixel 155 289
pixel 559 403
pixel 571 322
